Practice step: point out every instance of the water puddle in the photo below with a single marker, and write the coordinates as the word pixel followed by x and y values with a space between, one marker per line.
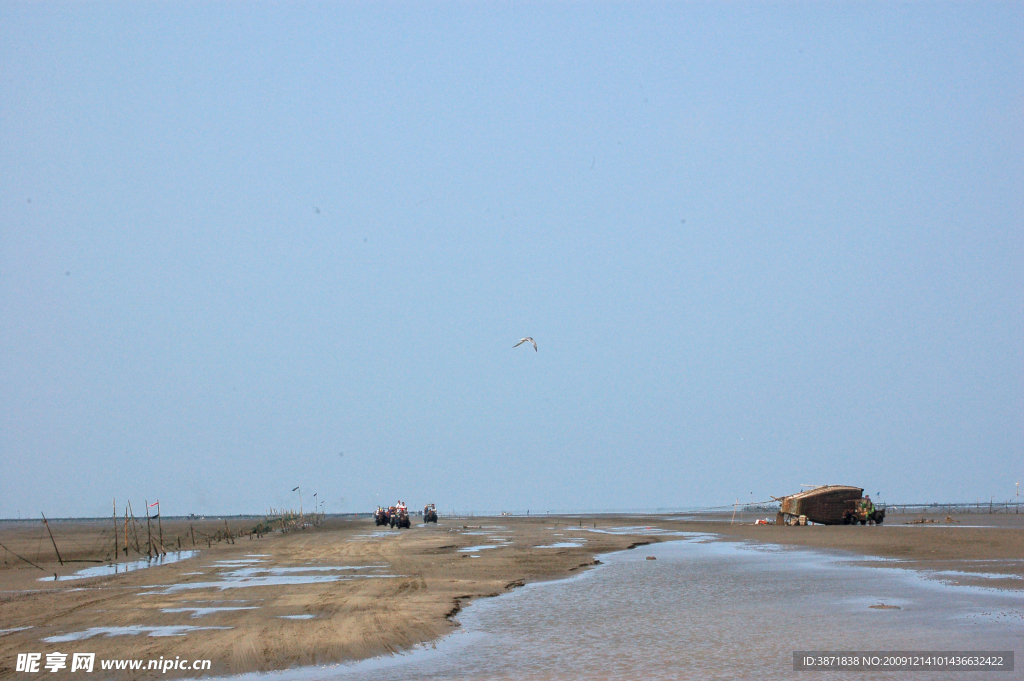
pixel 276 576
pixel 202 611
pixel 944 524
pixel 561 545
pixel 947 575
pixel 642 530
pixel 249 572
pixel 369 537
pixel 472 549
pixel 296 617
pixel 134 630
pixel 121 568
pixel 4 632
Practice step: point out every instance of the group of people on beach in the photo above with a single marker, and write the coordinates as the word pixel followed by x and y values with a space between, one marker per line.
pixel 398 515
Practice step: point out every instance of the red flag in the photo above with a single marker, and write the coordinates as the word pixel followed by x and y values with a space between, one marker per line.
pixel 155 503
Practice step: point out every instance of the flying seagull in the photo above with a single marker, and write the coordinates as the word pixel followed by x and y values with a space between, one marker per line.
pixel 523 340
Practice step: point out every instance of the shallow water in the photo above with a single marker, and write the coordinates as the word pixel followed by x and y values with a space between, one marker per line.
pixel 705 610
pixel 119 568
pixel 4 632
pixel 198 611
pixel 173 630
pixel 242 577
pixel 949 574
pixel 561 545
pixel 268 580
pixel 246 572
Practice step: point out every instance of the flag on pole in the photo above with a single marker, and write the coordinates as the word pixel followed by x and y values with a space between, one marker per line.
pixel 295 489
pixel 155 503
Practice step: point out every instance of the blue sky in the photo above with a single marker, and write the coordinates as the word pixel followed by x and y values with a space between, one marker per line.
pixel 249 246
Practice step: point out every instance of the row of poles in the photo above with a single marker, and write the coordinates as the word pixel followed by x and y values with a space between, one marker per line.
pixel 317 504
pixel 128 513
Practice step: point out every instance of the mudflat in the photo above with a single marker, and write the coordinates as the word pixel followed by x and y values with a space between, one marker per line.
pixel 347 590
pixel 970 543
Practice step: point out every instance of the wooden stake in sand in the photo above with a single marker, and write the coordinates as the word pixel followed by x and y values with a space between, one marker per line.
pixel 160 524
pixel 126 531
pixel 135 530
pixel 115 528
pixel 52 539
pixel 149 531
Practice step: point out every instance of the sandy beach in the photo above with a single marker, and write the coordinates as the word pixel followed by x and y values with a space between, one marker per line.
pixel 347 590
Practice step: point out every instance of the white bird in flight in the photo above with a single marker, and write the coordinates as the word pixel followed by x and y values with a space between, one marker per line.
pixel 523 340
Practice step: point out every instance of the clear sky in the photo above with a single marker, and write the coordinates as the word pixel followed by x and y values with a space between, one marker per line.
pixel 249 246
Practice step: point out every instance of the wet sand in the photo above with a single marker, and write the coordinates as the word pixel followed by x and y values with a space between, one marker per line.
pixel 972 543
pixel 348 591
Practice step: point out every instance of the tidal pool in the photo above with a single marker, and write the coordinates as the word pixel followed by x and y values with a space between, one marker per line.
pixel 119 568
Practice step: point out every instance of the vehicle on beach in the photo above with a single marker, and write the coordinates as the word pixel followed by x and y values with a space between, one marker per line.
pixel 829 505
pixel 380 516
pixel 400 518
pixel 429 514
pixel 864 512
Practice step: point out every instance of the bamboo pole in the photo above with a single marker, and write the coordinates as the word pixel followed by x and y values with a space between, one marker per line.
pixel 115 528
pixel 160 524
pixel 135 529
pixel 52 539
pixel 149 531
pixel 192 531
pixel 126 532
